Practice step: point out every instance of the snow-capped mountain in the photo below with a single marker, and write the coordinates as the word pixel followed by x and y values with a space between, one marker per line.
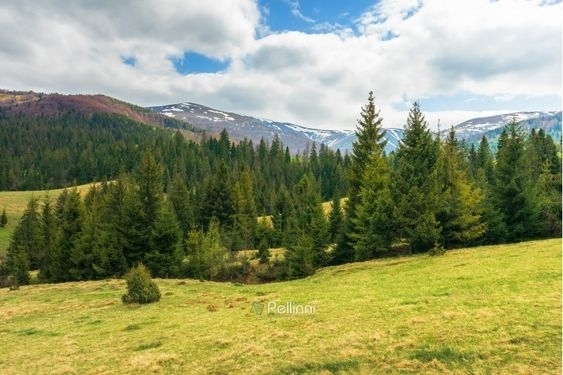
pixel 473 130
pixel 297 138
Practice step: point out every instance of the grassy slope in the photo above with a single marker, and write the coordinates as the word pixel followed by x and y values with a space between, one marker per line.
pixel 494 310
pixel 15 202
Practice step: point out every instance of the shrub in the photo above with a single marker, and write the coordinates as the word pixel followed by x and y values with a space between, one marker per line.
pixel 140 286
pixel 437 250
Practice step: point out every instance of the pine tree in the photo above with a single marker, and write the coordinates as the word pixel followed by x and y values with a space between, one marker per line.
pixel 300 257
pixel 369 141
pixel 25 241
pixel 149 179
pixel 373 221
pixel 179 197
pixel 459 214
pixel 165 254
pixel 71 217
pixel 549 200
pixel 263 251
pixel 282 218
pixel 218 200
pixel 310 218
pixel 514 192
pixel 244 227
pixel 48 227
pixel 414 187
pixel 3 219
pixel 335 220
pixel 484 178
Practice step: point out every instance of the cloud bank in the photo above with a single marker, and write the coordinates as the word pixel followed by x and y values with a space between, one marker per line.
pixel 503 55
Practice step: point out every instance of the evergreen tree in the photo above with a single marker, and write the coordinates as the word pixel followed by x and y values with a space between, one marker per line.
pixel 48 227
pixel 244 228
pixel 514 192
pixel 300 257
pixel 17 265
pixel 179 196
pixel 263 251
pixel 310 218
pixel 205 254
pixel 218 200
pixel 283 218
pixel 70 221
pixel 335 220
pixel 372 220
pixel 369 141
pixel 414 187
pixel 149 179
pixel 3 219
pixel 549 200
pixel 484 177
pixel 165 255
pixel 459 213
pixel 25 241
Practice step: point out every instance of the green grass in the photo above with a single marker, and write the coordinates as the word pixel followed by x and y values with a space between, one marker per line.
pixel 489 310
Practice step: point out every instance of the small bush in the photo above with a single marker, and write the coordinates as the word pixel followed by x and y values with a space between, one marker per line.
pixel 437 250
pixel 140 286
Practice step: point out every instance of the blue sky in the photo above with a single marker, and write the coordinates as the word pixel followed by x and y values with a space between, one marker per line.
pixel 310 62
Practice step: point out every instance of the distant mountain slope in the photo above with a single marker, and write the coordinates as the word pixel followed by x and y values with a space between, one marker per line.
pixel 296 137
pixel 52 140
pixel 473 130
pixel 32 104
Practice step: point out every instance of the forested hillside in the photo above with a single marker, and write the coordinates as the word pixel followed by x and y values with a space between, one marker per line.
pixel 185 208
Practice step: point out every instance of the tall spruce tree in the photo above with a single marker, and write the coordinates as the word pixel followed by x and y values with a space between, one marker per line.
pixel 48 228
pixel 514 191
pixel 459 212
pixel 25 241
pixel 165 255
pixel 244 226
pixel 369 141
pixel 484 177
pixel 335 220
pixel 149 180
pixel 373 217
pixel 415 187
pixel 71 222
pixel 310 218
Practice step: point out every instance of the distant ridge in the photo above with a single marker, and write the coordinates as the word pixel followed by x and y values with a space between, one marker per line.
pixel 297 138
pixel 28 103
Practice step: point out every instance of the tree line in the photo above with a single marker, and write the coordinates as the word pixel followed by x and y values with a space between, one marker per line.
pixel 185 209
pixel 442 193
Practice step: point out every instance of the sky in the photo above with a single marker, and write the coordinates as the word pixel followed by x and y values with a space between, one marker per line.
pixel 309 62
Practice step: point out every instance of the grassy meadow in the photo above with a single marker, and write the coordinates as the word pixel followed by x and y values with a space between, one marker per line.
pixel 488 310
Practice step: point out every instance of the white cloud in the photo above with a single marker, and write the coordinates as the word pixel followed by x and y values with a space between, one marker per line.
pixel 296 11
pixel 500 50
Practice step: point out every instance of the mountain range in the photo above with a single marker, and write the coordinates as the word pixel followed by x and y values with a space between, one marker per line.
pixel 299 138
pixel 192 119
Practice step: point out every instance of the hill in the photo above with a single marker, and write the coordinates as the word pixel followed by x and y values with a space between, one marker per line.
pixel 31 105
pixel 493 309
pixel 52 140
